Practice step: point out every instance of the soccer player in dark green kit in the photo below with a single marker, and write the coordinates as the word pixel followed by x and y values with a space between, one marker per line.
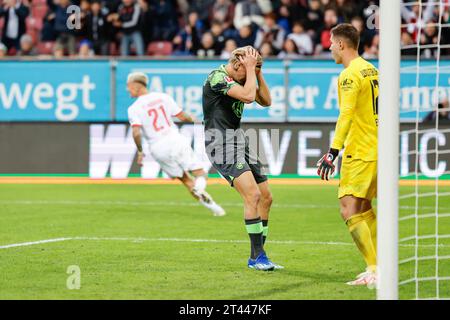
pixel 225 92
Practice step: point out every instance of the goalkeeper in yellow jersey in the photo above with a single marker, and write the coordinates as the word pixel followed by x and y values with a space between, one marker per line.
pixel 356 131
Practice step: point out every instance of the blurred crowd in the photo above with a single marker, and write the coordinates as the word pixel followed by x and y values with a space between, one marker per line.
pixel 288 29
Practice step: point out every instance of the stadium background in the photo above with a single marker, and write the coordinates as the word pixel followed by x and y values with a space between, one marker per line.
pixel 71 90
pixel 63 114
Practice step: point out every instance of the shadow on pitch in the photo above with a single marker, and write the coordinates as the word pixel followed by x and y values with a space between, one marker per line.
pixel 300 280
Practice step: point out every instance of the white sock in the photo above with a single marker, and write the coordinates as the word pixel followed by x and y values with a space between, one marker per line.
pixel 200 183
pixel 207 204
pixel 211 205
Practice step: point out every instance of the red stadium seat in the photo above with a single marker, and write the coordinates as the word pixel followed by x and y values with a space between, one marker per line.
pixel 34 27
pixel 159 48
pixel 34 35
pixel 39 11
pixel 34 23
pixel 12 51
pixel 113 50
pixel 45 47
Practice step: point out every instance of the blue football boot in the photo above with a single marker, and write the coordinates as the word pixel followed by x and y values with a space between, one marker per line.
pixel 261 263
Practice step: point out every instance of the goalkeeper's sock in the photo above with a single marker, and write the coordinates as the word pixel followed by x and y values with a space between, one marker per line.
pixel 265 224
pixel 360 232
pixel 371 220
pixel 255 232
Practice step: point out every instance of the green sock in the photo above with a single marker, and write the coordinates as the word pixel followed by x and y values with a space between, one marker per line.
pixel 265 224
pixel 255 232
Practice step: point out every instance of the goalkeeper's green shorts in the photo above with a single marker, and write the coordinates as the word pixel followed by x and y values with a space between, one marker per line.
pixel 358 179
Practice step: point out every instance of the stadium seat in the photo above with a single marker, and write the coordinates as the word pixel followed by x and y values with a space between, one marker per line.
pixel 34 27
pixel 113 49
pixel 34 35
pixel 45 47
pixel 12 51
pixel 159 48
pixel 39 11
pixel 34 23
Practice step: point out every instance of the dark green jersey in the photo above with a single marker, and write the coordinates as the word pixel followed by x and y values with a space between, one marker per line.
pixel 220 111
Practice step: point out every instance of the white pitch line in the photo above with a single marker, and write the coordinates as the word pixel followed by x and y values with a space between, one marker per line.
pixel 25 244
pixel 326 243
pixel 173 203
pixel 97 202
pixel 138 240
pixel 148 203
pixel 213 240
pixel 31 243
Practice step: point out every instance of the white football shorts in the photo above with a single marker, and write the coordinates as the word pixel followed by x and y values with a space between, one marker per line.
pixel 175 155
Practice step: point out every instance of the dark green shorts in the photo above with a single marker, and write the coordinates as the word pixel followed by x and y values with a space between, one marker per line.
pixel 247 161
pixel 232 171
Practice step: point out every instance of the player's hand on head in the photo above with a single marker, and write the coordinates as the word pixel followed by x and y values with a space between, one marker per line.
pixel 259 61
pixel 326 166
pixel 258 69
pixel 250 59
pixel 248 62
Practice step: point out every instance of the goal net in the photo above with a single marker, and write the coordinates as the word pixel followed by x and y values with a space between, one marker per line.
pixel 423 220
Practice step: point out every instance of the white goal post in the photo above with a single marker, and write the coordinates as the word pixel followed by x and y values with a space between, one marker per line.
pixel 388 149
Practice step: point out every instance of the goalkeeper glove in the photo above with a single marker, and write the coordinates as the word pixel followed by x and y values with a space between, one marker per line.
pixel 325 166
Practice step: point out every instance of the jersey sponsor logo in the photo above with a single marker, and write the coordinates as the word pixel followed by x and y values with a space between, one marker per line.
pixel 228 79
pixel 346 84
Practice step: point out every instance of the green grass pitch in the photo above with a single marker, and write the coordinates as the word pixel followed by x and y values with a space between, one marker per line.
pixel 155 242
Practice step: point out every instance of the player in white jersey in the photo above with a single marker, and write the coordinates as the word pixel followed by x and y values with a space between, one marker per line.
pixel 151 114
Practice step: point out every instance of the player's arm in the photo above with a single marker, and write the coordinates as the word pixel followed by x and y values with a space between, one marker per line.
pixel 176 111
pixel 136 125
pixel 185 117
pixel 348 88
pixel 247 92
pixel 137 137
pixel 262 92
